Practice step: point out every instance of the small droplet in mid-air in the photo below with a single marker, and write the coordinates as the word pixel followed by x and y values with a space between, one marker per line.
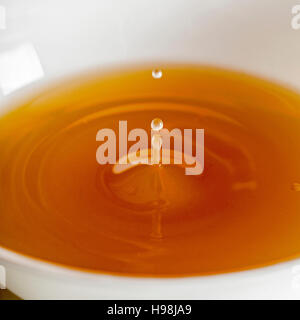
pixel 157 124
pixel 296 186
pixel 156 74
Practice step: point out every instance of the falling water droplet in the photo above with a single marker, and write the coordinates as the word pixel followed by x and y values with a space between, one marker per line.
pixel 156 74
pixel 296 186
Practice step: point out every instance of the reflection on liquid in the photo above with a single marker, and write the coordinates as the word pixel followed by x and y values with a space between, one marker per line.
pixel 19 67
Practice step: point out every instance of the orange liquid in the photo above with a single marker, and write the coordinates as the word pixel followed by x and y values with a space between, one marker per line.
pixel 58 204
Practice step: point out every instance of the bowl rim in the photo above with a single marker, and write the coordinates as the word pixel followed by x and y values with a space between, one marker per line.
pixel 39 265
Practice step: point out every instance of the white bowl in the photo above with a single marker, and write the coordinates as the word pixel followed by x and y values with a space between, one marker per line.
pixel 45 40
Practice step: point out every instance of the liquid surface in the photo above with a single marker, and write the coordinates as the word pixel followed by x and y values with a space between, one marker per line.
pixel 58 204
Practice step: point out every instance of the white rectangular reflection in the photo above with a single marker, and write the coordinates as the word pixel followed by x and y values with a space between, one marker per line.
pixel 19 67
